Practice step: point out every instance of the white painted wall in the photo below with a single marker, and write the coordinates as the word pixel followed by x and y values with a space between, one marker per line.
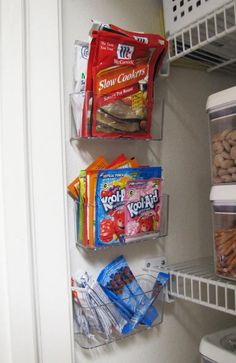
pixel 184 154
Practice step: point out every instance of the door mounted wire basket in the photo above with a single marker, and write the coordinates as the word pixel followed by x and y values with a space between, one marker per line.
pixel 91 335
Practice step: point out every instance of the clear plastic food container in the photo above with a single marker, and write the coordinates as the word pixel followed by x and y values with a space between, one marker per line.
pixel 224 219
pixel 219 347
pixel 221 108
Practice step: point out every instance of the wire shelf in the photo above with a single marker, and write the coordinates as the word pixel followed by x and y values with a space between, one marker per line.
pixel 196 281
pixel 210 41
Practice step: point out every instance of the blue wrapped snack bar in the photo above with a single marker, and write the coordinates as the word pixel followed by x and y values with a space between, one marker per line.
pixel 119 283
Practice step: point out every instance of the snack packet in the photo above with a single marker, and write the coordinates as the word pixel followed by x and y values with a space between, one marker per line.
pixel 119 159
pixel 146 38
pixel 128 163
pixel 73 189
pixel 123 70
pixel 102 312
pixel 77 98
pixel 80 65
pixel 82 213
pixel 119 283
pixel 110 194
pixel 99 163
pixel 142 207
pixel 88 100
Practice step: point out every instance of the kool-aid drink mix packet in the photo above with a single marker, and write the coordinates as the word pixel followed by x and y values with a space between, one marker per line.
pixel 110 201
pixel 142 207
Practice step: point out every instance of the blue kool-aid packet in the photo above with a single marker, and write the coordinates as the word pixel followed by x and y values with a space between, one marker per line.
pixel 120 285
pixel 110 199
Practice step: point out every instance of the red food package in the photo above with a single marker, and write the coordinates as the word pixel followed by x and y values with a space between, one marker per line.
pixel 88 100
pixel 146 38
pixel 122 78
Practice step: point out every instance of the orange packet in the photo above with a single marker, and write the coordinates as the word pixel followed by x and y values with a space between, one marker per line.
pixel 130 163
pixel 72 188
pixel 99 163
pixel 117 160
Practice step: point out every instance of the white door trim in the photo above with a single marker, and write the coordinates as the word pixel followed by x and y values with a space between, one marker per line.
pixel 37 306
pixel 17 301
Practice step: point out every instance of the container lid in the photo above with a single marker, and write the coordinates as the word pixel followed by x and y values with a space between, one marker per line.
pixel 226 193
pixel 220 99
pixel 220 346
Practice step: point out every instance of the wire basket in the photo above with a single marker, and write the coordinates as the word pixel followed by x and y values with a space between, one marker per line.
pixel 180 13
pixel 95 335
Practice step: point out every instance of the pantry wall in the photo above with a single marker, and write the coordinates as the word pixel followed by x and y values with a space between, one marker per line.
pixel 184 155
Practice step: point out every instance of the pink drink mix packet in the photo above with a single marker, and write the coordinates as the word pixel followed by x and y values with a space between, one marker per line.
pixel 142 207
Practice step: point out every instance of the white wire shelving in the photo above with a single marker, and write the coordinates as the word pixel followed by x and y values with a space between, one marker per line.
pixel 210 41
pixel 196 281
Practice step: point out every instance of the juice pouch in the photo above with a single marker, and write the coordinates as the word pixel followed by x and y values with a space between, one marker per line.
pixel 142 207
pixel 123 71
pixel 110 199
pixel 120 285
pixel 91 179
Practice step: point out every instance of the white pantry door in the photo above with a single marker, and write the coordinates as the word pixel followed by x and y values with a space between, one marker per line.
pixel 35 308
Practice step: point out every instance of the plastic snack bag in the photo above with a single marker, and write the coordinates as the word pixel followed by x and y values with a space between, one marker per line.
pixel 110 200
pixel 102 314
pixel 142 207
pixel 77 98
pixel 120 285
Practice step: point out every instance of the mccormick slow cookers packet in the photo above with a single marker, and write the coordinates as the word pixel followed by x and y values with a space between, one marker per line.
pixel 120 82
pixel 110 201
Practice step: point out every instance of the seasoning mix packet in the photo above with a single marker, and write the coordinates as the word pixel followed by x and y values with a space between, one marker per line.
pixel 121 68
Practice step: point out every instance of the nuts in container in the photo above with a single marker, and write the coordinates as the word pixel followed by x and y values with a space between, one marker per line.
pixel 221 108
pixel 224 156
